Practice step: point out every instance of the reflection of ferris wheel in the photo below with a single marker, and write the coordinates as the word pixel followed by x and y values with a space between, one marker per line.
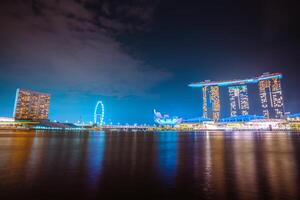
pixel 99 113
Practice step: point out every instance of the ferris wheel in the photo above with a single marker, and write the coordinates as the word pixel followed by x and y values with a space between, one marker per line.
pixel 99 113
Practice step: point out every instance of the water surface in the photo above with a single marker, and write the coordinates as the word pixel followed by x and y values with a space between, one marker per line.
pixel 166 165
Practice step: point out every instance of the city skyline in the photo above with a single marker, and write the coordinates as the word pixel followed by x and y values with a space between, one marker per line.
pixel 269 88
pixel 139 55
pixel 33 105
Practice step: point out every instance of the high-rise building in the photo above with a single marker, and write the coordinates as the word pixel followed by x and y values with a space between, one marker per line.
pixel 239 101
pixel 269 89
pixel 271 98
pixel 211 102
pixel 31 105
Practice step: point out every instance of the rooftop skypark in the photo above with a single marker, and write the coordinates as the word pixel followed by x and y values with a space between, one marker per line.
pixel 265 76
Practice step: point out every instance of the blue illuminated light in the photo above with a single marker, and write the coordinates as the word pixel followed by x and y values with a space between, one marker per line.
pixel 167 153
pixel 99 117
pixel 197 120
pixel 241 118
pixel 236 82
pixel 294 115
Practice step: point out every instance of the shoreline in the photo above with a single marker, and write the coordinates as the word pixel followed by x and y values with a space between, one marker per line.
pixel 149 131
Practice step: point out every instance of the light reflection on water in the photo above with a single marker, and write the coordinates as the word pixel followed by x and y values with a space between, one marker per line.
pixel 166 165
pixel 167 153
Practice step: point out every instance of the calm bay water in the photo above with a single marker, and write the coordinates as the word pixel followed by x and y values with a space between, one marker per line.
pixel 166 165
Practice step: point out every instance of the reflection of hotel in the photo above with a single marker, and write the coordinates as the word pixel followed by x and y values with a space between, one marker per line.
pixel 269 90
pixel 31 105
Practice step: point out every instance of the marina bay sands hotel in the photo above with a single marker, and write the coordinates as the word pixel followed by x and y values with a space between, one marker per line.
pixel 270 93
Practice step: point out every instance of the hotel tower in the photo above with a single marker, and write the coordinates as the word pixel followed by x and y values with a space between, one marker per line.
pixel 31 105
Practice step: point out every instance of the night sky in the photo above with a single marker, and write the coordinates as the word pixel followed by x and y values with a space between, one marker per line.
pixel 139 55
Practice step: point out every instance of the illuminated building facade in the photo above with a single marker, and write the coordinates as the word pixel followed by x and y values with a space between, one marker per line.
pixel 239 101
pixel 271 98
pixel 269 90
pixel 31 105
pixel 211 102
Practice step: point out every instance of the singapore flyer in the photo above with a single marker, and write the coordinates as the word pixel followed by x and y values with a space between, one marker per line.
pixel 99 114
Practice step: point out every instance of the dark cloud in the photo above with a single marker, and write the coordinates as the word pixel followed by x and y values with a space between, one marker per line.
pixel 279 19
pixel 70 45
